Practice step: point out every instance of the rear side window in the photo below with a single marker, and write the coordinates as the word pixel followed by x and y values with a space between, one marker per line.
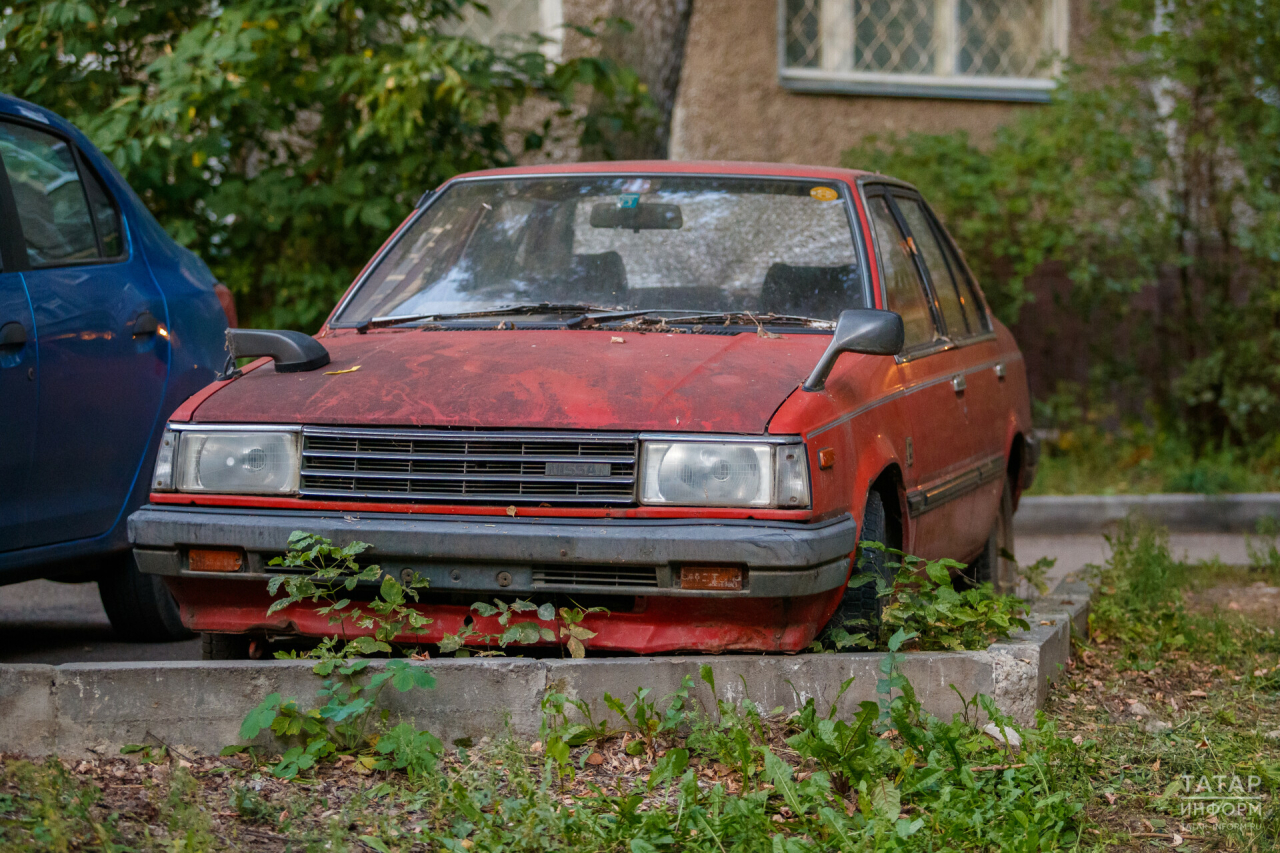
pixel 902 285
pixel 105 216
pixel 957 310
pixel 982 323
pixel 53 203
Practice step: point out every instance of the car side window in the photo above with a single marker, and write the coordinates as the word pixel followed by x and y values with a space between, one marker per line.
pixel 960 319
pixel 904 291
pixel 981 322
pixel 53 209
pixel 105 215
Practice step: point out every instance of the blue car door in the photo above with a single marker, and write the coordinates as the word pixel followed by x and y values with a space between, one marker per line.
pixel 101 338
pixel 18 375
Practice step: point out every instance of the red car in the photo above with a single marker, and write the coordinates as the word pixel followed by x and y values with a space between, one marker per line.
pixel 678 391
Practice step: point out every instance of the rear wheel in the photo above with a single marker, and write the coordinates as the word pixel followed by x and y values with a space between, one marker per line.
pixel 224 647
pixel 860 608
pixel 992 566
pixel 140 607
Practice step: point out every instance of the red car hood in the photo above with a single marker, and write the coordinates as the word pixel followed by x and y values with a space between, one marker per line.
pixel 557 379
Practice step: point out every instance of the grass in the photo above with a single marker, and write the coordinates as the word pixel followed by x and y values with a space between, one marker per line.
pixel 1086 459
pixel 1178 681
pixel 1180 678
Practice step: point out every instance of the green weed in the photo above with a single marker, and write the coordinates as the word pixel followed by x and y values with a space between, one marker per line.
pixel 922 601
pixel 50 810
pixel 568 628
pixel 1264 550
pixel 347 721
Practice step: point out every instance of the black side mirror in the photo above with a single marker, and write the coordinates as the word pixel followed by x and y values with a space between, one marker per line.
pixel 293 352
pixel 864 330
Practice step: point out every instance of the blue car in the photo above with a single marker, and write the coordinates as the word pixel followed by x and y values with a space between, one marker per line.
pixel 106 326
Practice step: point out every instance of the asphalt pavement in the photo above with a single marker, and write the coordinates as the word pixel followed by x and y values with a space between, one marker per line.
pixel 47 622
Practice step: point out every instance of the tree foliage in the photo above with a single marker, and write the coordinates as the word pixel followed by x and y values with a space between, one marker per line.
pixel 1156 166
pixel 283 139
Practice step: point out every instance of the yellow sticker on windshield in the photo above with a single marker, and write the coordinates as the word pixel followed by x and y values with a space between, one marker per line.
pixel 824 194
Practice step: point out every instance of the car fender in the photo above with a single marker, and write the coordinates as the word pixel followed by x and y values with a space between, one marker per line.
pixel 858 424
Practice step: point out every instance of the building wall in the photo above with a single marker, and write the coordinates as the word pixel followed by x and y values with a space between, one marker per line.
pixel 730 105
pixel 653 47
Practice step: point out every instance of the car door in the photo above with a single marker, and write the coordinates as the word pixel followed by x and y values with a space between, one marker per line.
pixel 101 338
pixel 943 448
pixel 979 368
pixel 19 374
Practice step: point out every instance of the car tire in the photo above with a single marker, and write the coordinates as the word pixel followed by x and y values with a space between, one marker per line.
pixel 860 604
pixel 224 647
pixel 992 566
pixel 140 607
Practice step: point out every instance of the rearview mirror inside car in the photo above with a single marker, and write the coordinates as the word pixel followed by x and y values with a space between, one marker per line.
pixel 862 330
pixel 636 216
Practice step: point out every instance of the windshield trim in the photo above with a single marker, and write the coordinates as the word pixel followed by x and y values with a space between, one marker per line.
pixel 842 186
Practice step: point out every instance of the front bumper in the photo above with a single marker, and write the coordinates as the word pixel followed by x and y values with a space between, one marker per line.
pixel 791 580
pixel 520 555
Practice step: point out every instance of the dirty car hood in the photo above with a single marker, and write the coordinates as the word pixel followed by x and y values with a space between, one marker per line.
pixel 554 379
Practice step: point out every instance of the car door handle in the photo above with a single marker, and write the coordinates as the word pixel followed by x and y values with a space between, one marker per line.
pixel 958 384
pixel 999 369
pixel 146 324
pixel 12 336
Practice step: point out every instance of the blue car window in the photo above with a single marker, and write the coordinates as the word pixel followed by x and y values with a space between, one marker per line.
pixel 105 215
pixel 50 198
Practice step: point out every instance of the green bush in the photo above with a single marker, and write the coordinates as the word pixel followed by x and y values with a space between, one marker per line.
pixel 282 141
pixel 1157 163
pixel 922 605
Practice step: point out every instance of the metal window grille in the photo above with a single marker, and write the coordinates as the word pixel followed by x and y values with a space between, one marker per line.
pixel 1007 49
pixel 513 19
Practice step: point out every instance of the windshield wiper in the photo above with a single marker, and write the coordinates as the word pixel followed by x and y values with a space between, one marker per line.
pixel 524 308
pixel 745 318
pixel 587 314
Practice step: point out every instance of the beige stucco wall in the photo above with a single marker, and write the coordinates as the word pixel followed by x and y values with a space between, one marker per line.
pixel 730 105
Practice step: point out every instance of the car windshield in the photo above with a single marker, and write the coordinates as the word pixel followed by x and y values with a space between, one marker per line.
pixel 669 243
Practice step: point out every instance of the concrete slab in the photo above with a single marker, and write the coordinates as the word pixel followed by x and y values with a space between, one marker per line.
pixel 89 709
pixel 28 717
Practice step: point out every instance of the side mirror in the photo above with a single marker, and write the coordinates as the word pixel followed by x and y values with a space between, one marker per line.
pixel 865 330
pixel 293 352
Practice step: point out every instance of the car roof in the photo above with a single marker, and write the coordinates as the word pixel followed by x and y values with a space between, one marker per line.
pixel 677 167
pixel 738 168
pixel 11 106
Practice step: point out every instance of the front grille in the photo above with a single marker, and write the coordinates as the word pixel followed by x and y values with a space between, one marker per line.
pixel 597 576
pixel 446 465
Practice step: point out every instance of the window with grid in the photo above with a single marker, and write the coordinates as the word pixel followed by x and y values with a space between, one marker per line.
pixel 989 49
pixel 513 19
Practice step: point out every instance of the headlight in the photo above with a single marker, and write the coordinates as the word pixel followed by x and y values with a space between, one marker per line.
pixel 724 473
pixel 247 462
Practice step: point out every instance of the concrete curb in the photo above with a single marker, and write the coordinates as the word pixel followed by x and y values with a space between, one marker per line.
pixel 82 710
pixel 1052 515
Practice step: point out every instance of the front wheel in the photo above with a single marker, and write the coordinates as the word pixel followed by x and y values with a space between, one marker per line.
pixel 861 608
